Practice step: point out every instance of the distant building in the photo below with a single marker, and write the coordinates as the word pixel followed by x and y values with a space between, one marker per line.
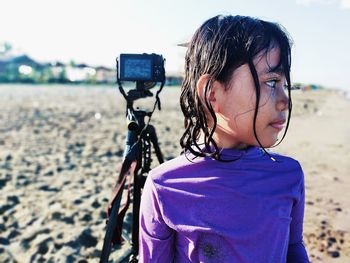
pixel 173 80
pixel 311 87
pixel 105 75
pixel 18 68
pixel 80 73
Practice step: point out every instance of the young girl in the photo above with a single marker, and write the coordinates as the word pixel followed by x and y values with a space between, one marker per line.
pixel 226 198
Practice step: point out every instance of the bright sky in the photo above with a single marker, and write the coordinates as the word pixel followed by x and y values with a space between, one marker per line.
pixel 96 31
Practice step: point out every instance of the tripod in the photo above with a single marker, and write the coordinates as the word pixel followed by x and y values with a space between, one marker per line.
pixel 136 165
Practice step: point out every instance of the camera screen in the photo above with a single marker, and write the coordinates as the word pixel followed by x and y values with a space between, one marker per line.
pixel 137 68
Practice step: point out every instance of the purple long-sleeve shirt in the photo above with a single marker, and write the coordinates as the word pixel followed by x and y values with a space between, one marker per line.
pixel 250 210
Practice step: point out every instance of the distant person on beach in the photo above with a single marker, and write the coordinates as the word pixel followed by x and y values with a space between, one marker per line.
pixel 226 198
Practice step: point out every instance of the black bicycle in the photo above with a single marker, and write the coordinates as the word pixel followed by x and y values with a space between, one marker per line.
pixel 137 158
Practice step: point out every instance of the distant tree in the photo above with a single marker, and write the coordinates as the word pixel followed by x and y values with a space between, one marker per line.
pixel 72 63
pixel 5 47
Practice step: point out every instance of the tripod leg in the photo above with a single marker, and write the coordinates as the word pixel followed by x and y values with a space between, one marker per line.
pixel 136 211
pixel 111 226
pixel 112 212
pixel 154 140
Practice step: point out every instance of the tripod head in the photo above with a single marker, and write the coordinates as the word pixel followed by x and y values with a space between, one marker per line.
pixel 142 91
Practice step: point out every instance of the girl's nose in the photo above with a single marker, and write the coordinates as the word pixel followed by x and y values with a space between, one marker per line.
pixel 282 100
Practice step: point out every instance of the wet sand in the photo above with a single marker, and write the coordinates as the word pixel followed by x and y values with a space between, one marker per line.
pixel 60 148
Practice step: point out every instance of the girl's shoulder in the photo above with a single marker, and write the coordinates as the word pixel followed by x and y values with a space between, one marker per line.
pixel 284 159
pixel 172 168
pixel 253 162
pixel 281 163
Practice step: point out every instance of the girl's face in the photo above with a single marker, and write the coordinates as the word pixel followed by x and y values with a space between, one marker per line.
pixel 235 105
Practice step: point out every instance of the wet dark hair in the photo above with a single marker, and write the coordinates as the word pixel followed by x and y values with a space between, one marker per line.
pixel 218 47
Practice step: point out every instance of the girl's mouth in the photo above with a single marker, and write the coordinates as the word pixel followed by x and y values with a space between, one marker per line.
pixel 278 125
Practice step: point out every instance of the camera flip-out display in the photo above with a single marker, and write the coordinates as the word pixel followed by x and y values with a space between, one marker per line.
pixel 141 67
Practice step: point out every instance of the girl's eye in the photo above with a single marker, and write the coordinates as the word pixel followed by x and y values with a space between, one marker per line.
pixel 272 83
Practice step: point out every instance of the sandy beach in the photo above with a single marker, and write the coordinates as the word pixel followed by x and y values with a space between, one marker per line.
pixel 61 146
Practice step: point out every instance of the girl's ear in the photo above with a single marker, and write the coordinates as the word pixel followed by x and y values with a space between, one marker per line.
pixel 211 95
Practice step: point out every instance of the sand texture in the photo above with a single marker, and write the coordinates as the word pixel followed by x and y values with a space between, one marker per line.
pixel 61 147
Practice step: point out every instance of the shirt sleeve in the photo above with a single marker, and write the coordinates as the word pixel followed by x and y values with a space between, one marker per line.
pixel 156 239
pixel 296 249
